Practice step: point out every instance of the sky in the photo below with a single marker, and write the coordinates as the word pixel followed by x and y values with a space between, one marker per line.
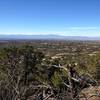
pixel 57 17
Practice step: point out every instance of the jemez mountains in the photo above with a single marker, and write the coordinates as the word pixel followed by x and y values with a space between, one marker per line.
pixel 46 37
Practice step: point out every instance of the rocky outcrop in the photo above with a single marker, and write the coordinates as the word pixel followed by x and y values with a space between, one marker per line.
pixel 91 93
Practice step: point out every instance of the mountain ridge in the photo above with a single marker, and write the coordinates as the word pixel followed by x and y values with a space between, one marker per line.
pixel 47 37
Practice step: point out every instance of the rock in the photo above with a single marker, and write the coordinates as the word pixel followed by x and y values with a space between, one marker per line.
pixel 91 93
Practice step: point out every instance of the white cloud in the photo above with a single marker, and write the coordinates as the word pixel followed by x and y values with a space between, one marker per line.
pixel 84 28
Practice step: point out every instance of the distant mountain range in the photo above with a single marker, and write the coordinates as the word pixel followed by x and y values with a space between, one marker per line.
pixel 46 37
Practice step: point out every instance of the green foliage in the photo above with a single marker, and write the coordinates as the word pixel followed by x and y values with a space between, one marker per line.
pixel 98 71
pixel 18 68
pixel 25 65
pixel 57 78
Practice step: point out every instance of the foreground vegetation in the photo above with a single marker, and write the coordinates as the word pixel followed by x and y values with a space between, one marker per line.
pixel 51 70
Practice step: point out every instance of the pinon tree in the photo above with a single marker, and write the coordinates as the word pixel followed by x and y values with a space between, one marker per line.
pixel 11 73
pixel 16 64
pixel 31 58
pixel 98 71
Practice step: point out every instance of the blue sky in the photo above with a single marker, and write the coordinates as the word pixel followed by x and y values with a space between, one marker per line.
pixel 62 17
